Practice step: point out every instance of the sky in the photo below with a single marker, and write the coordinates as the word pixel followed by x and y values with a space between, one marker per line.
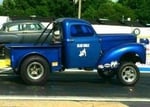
pixel 1 1
pixel 114 0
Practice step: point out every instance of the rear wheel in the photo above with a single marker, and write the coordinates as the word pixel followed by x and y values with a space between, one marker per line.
pixel 128 73
pixel 35 70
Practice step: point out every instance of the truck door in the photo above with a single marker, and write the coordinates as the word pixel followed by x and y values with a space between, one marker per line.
pixel 82 48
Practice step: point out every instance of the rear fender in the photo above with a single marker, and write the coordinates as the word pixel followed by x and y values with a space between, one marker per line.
pixel 16 61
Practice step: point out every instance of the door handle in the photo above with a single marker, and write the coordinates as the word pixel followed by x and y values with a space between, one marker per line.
pixel 70 40
pixel 100 40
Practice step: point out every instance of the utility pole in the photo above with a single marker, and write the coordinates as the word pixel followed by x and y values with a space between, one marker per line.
pixel 79 8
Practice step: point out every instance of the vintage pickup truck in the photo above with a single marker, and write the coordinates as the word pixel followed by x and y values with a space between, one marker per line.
pixel 75 44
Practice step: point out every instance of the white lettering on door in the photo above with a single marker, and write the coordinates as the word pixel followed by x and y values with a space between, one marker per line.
pixel 83 45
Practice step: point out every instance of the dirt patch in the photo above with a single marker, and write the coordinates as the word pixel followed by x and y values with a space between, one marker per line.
pixel 37 103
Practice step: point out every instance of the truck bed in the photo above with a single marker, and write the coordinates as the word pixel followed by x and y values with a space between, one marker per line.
pixel 17 53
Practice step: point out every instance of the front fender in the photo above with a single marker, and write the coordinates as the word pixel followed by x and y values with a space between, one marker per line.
pixel 116 53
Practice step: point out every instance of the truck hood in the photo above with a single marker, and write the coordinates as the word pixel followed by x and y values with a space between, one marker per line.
pixel 108 41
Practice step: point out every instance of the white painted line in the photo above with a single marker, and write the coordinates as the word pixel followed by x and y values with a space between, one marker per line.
pixel 8 75
pixel 70 98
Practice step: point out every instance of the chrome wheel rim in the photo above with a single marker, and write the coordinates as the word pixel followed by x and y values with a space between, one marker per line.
pixel 129 74
pixel 35 70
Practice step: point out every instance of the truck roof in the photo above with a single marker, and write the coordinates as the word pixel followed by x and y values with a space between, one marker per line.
pixel 72 20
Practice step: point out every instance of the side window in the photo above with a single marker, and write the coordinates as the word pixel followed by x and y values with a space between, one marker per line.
pixel 13 28
pixel 56 33
pixel 81 30
pixel 28 27
pixel 38 27
pixel 32 27
pixel 56 28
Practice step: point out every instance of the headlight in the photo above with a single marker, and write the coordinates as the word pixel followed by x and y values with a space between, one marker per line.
pixel 136 31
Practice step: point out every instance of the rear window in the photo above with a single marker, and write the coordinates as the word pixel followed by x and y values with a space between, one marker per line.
pixel 13 28
pixel 31 27
pixel 22 27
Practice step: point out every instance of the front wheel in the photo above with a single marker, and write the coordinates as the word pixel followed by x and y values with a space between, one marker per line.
pixel 128 73
pixel 35 70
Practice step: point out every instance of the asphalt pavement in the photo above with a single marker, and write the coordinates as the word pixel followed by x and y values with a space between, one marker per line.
pixel 77 86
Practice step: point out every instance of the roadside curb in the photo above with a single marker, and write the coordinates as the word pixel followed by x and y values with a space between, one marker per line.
pixel 39 103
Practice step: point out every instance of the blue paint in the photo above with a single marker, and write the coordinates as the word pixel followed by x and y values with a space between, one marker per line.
pixel 144 69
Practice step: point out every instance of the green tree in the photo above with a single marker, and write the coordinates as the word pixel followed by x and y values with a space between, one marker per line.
pixel 91 9
pixel 43 8
pixel 1 10
pixel 8 5
pixel 141 8
pixel 109 10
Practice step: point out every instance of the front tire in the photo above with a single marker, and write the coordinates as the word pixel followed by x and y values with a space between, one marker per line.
pixel 35 70
pixel 128 73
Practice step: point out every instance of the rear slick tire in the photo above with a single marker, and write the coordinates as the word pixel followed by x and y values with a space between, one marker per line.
pixel 35 70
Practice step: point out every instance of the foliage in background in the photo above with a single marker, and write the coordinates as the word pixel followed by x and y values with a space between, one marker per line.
pixel 140 7
pixel 91 9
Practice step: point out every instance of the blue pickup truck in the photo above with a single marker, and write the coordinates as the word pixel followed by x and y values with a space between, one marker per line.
pixel 75 44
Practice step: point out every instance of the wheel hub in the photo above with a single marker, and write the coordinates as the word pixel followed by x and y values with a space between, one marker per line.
pixel 35 70
pixel 129 74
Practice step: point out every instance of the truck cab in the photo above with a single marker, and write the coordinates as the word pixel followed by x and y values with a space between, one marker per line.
pixel 75 44
pixel 79 44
